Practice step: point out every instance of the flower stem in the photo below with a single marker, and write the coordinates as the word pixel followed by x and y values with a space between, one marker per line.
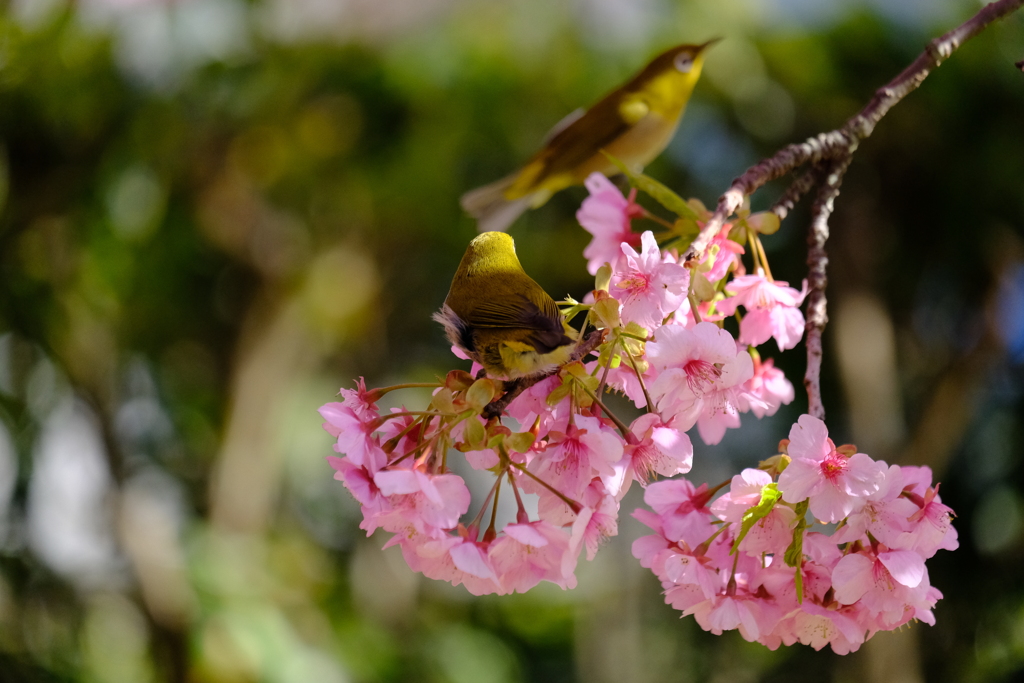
pixel 483 506
pixel 639 378
pixel 693 306
pixel 522 517
pixel 658 219
pixel 573 505
pixel 607 368
pixel 626 434
pixel 764 257
pixel 413 413
pixel 409 385
pixel 491 533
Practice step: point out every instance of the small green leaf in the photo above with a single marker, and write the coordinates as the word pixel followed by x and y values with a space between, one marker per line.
pixel 701 287
pixel 474 433
pixel 556 396
pixel 795 552
pixel 764 222
pixel 658 192
pixel 569 313
pixel 603 278
pixel 770 494
pixel 609 357
pixel 443 401
pixel 520 442
pixel 481 393
pixel 607 312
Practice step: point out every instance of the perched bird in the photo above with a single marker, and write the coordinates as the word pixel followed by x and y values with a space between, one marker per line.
pixel 633 123
pixel 499 316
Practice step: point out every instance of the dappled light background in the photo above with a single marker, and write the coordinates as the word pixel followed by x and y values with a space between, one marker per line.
pixel 215 213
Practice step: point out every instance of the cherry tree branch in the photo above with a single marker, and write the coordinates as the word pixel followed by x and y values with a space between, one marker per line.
pixel 830 155
pixel 795 191
pixel 843 142
pixel 830 178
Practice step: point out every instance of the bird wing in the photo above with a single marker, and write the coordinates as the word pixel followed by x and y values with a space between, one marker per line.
pixel 603 123
pixel 547 331
pixel 567 120
pixel 516 312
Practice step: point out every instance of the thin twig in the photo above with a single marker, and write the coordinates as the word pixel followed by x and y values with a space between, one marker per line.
pixel 817 279
pixel 794 192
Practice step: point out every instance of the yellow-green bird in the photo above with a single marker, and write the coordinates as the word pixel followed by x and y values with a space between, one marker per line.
pixel 499 316
pixel 633 123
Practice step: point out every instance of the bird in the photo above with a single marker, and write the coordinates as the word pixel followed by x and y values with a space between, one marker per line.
pixel 500 317
pixel 633 123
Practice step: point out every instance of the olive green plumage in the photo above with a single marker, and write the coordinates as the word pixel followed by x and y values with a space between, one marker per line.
pixel 499 316
pixel 633 123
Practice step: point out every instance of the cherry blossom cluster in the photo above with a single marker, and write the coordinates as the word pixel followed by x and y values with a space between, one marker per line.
pixel 395 465
pixel 748 561
pixel 666 319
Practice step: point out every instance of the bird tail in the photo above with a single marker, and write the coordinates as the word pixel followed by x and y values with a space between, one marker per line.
pixel 489 206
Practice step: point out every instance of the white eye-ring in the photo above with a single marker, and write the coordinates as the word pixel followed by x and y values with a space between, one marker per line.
pixel 684 62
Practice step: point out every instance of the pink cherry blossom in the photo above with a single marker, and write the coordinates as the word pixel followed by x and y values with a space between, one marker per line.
pixel 649 285
pixel 360 401
pixel 528 553
pixel 727 253
pixel 660 449
pixel 425 503
pixel 355 435
pixel 456 559
pixel 648 549
pixel 916 479
pixel 607 215
pixel 770 534
pixel 359 481
pixel 532 404
pixel 683 510
pixel 929 527
pixel 771 310
pixel 769 386
pixel 597 521
pixel 572 459
pixel 700 377
pixel 890 584
pixel 835 484
pixel 816 626
pixel 740 609
pixel 885 514
pixel 744 493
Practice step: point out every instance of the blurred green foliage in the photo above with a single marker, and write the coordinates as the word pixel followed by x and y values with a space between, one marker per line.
pixel 216 212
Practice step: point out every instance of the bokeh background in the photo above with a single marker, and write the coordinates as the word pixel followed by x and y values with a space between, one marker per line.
pixel 214 213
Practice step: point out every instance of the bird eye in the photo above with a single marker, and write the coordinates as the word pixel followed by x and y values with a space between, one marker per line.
pixel 684 62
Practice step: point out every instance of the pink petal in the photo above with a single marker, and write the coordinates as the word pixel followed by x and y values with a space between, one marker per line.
pixel 906 566
pixel 397 482
pixel 852 578
pixel 831 504
pixel 526 534
pixel 808 439
pixel 470 559
pixel 800 479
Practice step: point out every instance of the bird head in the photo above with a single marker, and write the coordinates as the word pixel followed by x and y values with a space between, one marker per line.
pixel 490 252
pixel 680 65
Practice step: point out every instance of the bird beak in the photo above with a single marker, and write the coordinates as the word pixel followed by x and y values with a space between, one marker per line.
pixel 701 48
